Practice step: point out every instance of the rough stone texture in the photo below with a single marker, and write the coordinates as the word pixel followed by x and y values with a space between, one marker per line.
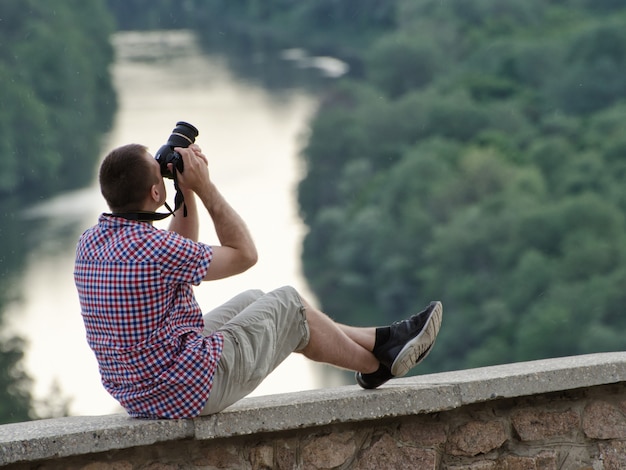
pixel 423 433
pixel 477 437
pixel 262 457
pixel 538 424
pixel 559 414
pixel 330 451
pixel 612 424
pixel 386 453
pixel 539 462
pixel 107 466
pixel 484 465
pixel 613 453
pixel 227 457
pixel 546 460
pixel 286 454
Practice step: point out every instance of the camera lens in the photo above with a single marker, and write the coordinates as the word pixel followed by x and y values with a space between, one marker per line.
pixel 183 135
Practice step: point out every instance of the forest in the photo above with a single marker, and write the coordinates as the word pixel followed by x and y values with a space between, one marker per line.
pixel 480 161
pixel 57 97
pixel 56 102
pixel 474 154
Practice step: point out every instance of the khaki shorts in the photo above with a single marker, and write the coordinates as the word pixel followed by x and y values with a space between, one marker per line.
pixel 260 331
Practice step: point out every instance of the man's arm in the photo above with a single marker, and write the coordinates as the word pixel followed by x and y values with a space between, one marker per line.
pixel 189 226
pixel 237 251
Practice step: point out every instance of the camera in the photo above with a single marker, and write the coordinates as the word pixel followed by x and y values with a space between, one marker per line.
pixel 183 135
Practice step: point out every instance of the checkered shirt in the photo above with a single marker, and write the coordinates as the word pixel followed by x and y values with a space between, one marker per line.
pixel 142 320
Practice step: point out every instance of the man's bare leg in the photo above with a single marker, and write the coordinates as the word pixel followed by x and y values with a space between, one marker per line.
pixel 345 347
pixel 365 336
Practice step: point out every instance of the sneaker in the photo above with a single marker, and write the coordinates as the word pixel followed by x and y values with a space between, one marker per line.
pixel 375 379
pixel 410 341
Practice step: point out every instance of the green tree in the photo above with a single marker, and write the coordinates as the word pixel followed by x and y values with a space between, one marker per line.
pixel 57 97
pixel 56 100
pixel 15 398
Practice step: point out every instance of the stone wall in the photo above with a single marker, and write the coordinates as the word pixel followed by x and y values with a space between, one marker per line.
pixel 563 414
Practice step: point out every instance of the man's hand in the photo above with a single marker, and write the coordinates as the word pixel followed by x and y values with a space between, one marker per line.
pixel 195 174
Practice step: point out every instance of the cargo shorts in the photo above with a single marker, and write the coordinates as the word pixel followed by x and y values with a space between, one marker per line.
pixel 260 330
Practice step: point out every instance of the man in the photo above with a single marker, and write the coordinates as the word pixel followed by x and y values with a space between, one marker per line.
pixel 158 356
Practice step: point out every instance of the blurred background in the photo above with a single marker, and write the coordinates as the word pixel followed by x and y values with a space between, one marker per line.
pixel 385 153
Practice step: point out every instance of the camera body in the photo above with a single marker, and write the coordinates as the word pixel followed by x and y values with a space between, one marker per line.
pixel 183 135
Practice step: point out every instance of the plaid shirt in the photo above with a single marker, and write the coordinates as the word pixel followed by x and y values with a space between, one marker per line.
pixel 142 320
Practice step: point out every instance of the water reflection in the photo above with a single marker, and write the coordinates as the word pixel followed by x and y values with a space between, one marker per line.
pixel 269 62
pixel 252 138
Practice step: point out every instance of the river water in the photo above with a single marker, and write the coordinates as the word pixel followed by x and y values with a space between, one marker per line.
pixel 252 138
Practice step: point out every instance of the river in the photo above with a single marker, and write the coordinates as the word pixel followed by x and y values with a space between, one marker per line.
pixel 252 138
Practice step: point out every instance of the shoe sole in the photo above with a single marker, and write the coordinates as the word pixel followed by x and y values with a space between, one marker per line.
pixel 416 350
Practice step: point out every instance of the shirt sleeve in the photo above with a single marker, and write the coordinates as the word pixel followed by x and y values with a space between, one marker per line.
pixel 184 261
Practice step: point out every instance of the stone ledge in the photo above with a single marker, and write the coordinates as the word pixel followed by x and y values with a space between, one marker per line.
pixel 62 437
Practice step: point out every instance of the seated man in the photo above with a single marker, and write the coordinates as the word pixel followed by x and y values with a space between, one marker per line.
pixel 157 354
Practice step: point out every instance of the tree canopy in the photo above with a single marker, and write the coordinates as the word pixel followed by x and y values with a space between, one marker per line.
pixel 57 97
pixel 479 161
pixel 56 100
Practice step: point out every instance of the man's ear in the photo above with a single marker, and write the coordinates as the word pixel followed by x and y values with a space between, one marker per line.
pixel 155 193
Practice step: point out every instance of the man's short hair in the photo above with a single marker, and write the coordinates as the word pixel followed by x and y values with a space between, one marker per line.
pixel 126 178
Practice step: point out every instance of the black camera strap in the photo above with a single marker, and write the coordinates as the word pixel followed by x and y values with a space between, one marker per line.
pixel 179 199
pixel 143 216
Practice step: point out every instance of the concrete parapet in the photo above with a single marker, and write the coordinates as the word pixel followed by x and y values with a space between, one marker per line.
pixel 337 419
